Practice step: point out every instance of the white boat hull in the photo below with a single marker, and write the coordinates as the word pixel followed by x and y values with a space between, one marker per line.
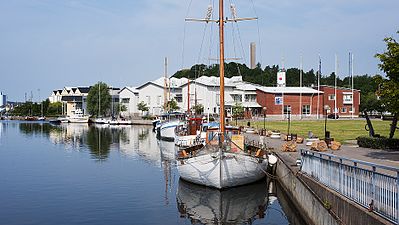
pixel 168 130
pixel 78 120
pixel 229 170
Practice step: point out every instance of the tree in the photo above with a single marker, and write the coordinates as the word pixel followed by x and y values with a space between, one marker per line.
pixel 142 107
pixel 198 109
pixel 98 97
pixel 238 111
pixel 172 105
pixel 389 88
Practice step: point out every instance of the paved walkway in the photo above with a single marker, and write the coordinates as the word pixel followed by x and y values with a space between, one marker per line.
pixel 351 151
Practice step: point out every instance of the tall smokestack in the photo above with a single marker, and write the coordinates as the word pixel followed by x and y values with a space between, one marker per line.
pixel 253 55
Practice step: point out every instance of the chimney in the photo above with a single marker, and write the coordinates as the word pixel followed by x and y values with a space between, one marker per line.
pixel 253 55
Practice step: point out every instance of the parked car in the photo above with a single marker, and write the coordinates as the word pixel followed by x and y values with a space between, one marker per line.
pixel 333 116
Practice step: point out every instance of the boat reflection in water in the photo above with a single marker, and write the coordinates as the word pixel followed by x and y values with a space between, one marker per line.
pixel 237 205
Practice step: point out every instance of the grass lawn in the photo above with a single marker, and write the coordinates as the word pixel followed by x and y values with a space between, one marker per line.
pixel 340 130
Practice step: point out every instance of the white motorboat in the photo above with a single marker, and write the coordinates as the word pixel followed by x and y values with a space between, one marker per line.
pixel 167 130
pixel 78 117
pixel 100 120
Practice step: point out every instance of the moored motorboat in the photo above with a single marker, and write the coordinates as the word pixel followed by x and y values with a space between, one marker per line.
pixel 78 117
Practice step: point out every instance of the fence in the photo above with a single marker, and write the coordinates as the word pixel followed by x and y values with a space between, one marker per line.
pixel 368 184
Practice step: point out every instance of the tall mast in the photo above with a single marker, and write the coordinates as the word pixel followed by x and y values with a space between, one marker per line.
pixel 188 96
pixel 99 99
pixel 165 87
pixel 353 97
pixel 318 89
pixel 300 84
pixel 335 85
pixel 221 67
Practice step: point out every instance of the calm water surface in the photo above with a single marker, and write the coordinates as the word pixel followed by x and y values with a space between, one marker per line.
pixel 81 174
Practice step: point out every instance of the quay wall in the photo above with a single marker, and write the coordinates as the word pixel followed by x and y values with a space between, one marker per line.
pixel 318 204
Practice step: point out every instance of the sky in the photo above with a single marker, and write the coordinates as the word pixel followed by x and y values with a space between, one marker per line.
pixel 49 44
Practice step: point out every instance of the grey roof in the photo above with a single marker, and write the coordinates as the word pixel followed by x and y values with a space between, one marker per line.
pixel 289 90
pixel 71 98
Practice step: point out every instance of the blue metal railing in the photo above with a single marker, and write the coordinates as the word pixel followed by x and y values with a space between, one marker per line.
pixel 368 184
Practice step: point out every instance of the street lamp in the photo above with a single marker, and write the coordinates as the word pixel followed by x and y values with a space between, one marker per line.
pixel 326 108
pixel 264 117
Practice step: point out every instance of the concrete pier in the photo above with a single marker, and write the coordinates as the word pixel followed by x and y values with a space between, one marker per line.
pixel 317 203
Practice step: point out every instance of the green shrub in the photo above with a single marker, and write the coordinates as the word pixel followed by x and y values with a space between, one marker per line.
pixel 378 142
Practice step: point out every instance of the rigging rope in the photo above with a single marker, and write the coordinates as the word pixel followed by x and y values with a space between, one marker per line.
pixel 184 35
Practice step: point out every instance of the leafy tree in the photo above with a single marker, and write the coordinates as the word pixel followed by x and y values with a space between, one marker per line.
pixel 238 111
pixel 369 103
pixel 98 97
pixel 389 88
pixel 172 105
pixel 198 109
pixel 54 108
pixel 142 107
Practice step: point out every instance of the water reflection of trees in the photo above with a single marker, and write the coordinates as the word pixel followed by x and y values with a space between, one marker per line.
pixel 98 139
pixel 37 128
pixel 99 142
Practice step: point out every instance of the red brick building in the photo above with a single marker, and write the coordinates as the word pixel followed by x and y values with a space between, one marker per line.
pixel 343 101
pixel 307 102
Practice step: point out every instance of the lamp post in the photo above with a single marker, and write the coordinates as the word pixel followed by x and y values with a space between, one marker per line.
pixel 264 117
pixel 326 108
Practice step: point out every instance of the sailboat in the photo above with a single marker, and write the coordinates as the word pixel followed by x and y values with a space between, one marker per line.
pixel 224 161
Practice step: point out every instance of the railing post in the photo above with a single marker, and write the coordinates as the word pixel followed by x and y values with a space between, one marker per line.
pixel 373 185
pixel 340 178
pixel 397 197
pixel 355 194
pixel 329 170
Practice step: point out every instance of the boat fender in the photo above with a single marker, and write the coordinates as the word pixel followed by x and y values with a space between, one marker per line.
pixel 272 159
pixel 259 153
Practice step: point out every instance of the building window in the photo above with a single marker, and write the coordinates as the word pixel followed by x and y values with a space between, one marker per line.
pixel 125 100
pixel 148 98
pixel 343 109
pixel 218 99
pixel 331 97
pixel 250 98
pixel 306 109
pixel 351 110
pixel 159 99
pixel 287 109
pixel 237 98
pixel 179 98
pixel 347 98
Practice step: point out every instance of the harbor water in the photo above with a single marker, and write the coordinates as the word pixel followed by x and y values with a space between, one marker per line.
pixel 89 174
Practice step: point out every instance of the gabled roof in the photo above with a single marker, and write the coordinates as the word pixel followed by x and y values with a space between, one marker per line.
pixel 173 82
pixel 289 90
pixel 131 89
pixel 84 90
